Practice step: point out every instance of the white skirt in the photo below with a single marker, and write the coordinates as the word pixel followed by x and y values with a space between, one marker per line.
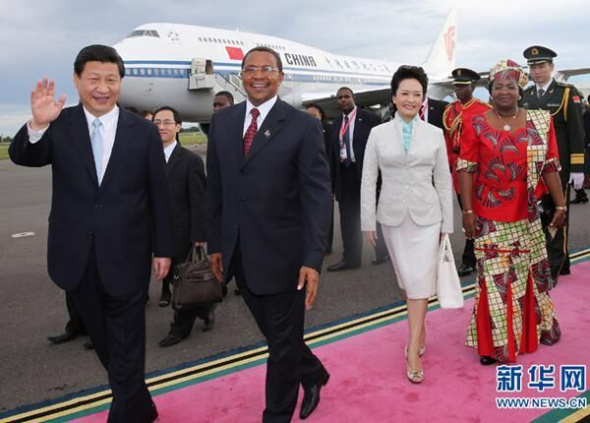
pixel 413 251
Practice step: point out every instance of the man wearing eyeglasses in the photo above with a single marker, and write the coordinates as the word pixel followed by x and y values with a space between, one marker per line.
pixel 268 210
pixel 187 181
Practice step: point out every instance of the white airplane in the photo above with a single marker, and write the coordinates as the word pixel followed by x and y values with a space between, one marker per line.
pixel 183 66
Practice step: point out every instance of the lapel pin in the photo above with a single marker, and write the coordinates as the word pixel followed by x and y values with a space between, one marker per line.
pixel 267 133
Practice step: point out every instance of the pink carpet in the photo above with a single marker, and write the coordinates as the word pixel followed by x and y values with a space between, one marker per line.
pixel 368 382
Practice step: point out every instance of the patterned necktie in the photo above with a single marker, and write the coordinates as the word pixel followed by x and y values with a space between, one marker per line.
pixel 96 141
pixel 251 131
pixel 346 141
pixel 423 111
pixel 541 92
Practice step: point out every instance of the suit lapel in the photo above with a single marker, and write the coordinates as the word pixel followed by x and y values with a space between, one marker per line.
pixel 546 96
pixel 271 126
pixel 236 130
pixel 174 159
pixel 81 137
pixel 533 99
pixel 122 124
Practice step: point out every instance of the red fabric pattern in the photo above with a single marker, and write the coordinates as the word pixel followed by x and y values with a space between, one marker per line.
pixel 454 138
pixel 251 131
pixel 500 186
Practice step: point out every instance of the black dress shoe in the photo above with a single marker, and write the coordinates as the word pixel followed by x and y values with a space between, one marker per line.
pixel 62 338
pixel 152 414
pixel 465 270
pixel 170 340
pixel 380 260
pixel 487 361
pixel 342 265
pixel 311 395
pixel 209 321
pixel 165 298
pixel 581 197
pixel 88 345
pixel 237 291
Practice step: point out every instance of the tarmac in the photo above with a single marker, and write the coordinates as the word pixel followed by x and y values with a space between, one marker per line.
pixel 32 307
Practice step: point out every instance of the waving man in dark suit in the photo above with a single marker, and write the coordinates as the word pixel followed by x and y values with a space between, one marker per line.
pixel 268 208
pixel 110 212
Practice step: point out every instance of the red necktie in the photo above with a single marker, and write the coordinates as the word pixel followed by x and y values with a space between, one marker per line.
pixel 251 131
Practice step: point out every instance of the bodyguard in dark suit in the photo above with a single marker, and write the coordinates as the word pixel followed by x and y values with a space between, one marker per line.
pixel 188 185
pixel 349 140
pixel 565 105
pixel 268 208
pixel 110 212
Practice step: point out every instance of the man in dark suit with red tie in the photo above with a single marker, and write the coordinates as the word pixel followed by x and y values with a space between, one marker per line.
pixel 110 213
pixel 268 209
pixel 350 133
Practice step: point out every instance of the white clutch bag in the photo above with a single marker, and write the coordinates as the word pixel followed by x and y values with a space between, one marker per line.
pixel 448 285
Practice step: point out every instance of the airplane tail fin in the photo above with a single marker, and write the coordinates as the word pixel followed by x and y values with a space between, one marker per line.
pixel 441 58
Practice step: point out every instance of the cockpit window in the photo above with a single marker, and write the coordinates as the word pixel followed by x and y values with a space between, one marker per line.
pixel 144 33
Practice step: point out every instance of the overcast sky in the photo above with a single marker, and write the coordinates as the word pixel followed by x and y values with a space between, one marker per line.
pixel 42 37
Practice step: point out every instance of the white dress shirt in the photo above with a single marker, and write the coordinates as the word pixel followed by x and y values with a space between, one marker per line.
pixel 350 134
pixel 109 130
pixel 543 87
pixel 169 149
pixel 264 109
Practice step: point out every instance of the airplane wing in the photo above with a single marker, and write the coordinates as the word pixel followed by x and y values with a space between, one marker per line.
pixel 366 98
pixel 375 98
pixel 564 74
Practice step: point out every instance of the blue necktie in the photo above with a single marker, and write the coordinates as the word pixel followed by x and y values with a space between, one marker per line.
pixel 96 141
pixel 346 140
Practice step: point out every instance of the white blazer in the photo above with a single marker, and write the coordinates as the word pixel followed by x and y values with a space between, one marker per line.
pixel 407 186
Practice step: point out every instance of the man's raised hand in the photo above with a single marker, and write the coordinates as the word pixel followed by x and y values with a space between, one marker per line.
pixel 43 105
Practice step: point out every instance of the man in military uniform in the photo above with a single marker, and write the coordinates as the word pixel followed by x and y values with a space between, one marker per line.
pixel 456 115
pixel 565 104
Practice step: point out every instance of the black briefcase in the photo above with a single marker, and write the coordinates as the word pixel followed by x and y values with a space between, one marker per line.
pixel 194 282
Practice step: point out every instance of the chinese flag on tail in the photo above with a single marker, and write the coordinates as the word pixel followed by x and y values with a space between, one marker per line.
pixel 234 53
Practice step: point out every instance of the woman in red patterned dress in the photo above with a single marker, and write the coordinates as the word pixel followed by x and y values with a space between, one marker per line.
pixel 509 154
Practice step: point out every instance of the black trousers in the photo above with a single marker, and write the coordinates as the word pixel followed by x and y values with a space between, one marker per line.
pixel 468 257
pixel 290 363
pixel 350 219
pixel 75 325
pixel 331 231
pixel 350 215
pixel 116 326
pixel 184 320
pixel 557 250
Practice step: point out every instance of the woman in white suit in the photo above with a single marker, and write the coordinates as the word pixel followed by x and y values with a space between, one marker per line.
pixel 415 205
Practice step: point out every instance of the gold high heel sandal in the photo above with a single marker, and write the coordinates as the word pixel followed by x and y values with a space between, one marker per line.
pixel 420 352
pixel 414 376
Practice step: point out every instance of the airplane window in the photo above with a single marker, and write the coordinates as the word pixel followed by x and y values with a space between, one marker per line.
pixel 149 71
pixel 142 71
pixel 210 40
pixel 200 39
pixel 136 33
pixel 127 71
